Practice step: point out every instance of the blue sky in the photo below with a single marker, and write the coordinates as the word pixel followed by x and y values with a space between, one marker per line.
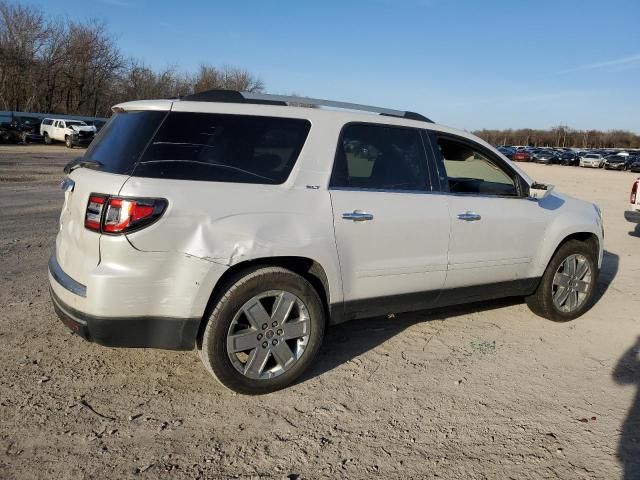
pixel 469 64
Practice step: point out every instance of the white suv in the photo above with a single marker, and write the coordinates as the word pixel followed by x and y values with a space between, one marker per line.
pixel 242 226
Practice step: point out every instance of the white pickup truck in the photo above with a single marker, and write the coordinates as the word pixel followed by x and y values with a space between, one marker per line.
pixel 71 132
pixel 633 214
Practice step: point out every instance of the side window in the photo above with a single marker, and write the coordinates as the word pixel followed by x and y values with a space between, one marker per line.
pixel 61 124
pixel 380 157
pixel 224 148
pixel 469 170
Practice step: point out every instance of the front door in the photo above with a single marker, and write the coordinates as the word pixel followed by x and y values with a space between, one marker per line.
pixel 495 229
pixel 392 231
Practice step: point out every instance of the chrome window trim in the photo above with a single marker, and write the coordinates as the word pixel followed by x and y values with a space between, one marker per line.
pixel 425 192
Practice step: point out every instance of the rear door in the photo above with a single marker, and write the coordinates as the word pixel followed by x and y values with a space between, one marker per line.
pixel 495 229
pixel 58 130
pixel 391 230
pixel 116 151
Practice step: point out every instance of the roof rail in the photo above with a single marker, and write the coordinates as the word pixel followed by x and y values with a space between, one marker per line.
pixel 232 96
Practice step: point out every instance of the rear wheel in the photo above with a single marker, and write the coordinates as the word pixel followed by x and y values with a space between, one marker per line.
pixel 47 139
pixel 567 286
pixel 264 331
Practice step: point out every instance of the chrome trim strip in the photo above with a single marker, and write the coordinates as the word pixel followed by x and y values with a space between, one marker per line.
pixel 65 280
pixel 425 192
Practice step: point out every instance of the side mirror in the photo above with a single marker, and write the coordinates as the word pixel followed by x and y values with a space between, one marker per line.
pixel 538 191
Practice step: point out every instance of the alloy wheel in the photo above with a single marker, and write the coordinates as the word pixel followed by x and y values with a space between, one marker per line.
pixel 268 334
pixel 571 283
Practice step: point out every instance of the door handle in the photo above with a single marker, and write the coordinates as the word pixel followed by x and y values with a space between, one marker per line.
pixel 357 216
pixel 469 216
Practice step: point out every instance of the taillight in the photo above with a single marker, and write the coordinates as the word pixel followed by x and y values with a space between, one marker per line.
pixel 118 215
pixel 634 191
pixel 93 215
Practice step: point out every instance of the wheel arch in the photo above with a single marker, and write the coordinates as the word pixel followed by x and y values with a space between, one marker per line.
pixel 309 269
pixel 585 236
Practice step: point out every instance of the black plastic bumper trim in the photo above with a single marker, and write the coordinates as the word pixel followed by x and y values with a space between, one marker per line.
pixel 132 332
pixel 63 279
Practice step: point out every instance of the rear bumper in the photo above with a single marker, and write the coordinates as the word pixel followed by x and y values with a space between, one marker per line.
pixel 140 332
pixel 102 313
pixel 632 216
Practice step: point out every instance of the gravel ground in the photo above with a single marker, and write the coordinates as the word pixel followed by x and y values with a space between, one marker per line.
pixel 482 391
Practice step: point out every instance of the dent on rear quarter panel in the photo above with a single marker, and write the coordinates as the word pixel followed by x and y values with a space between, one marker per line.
pixel 228 224
pixel 236 238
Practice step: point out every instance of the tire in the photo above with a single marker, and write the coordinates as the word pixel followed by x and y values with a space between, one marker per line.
pixel 24 139
pixel 541 302
pixel 228 317
pixel 68 142
pixel 47 138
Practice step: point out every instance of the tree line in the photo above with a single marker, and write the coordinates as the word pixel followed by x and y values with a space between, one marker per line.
pixel 561 136
pixel 54 65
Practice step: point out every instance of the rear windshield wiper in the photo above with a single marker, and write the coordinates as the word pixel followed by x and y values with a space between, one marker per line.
pixel 81 163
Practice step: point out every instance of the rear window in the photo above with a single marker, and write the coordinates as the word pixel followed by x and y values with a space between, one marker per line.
pixel 224 148
pixel 120 143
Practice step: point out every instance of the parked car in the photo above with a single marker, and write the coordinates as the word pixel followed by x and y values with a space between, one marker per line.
pixel 521 156
pixel 246 242
pixel 21 129
pixel 98 123
pixel 616 162
pixel 633 214
pixel 507 152
pixel 547 157
pixel 569 158
pixel 71 132
pixel 634 166
pixel 594 160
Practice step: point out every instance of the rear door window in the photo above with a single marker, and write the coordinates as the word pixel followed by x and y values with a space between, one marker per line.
pixel 380 157
pixel 224 148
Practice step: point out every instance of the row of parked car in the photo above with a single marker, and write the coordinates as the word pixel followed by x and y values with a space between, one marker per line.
pixel 601 158
pixel 33 129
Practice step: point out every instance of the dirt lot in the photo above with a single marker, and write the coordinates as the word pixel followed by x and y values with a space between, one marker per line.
pixel 488 391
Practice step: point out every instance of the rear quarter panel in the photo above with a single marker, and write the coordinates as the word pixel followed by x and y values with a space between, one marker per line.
pixel 226 223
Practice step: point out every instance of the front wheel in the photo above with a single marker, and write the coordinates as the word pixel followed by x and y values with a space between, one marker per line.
pixel 68 142
pixel 264 331
pixel 47 139
pixel 567 286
